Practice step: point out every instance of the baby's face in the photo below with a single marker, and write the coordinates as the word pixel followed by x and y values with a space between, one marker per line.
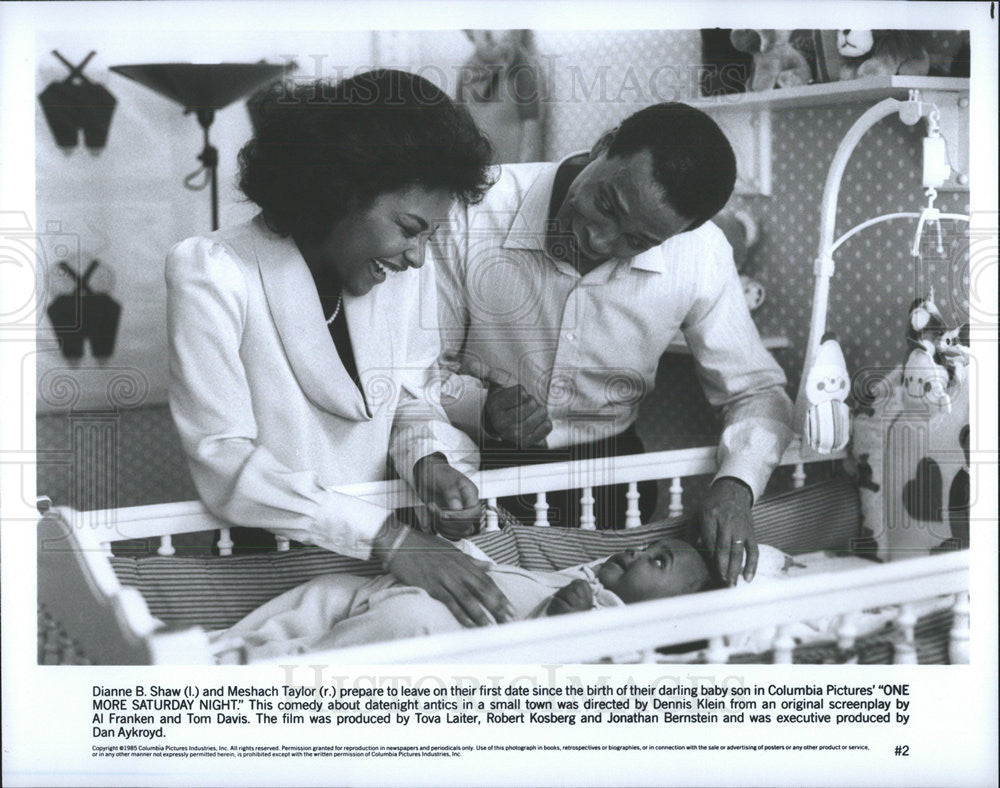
pixel 666 568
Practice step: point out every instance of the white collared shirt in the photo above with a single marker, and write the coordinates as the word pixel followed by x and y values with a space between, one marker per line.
pixel 588 346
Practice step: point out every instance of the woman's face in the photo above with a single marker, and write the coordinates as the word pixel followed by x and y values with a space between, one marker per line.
pixel 382 240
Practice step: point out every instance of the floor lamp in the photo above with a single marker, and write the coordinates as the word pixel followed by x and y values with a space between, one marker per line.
pixel 203 88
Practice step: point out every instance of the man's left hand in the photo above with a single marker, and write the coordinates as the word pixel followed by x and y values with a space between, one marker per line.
pixel 451 497
pixel 727 530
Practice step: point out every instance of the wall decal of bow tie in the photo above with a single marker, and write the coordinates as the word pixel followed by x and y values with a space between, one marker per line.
pixel 74 104
pixel 86 313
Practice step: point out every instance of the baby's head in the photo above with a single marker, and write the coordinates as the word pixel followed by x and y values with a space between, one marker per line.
pixel 667 567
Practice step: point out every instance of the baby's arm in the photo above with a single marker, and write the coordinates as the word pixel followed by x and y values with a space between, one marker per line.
pixel 571 598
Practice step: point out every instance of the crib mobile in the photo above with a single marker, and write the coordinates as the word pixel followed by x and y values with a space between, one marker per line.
pixel 820 407
pixel 84 587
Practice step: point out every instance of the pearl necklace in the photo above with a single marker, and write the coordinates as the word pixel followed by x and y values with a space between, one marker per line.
pixel 336 311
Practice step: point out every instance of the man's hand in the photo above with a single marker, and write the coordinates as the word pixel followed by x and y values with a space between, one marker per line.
pixel 570 599
pixel 444 572
pixel 451 497
pixel 514 416
pixel 727 530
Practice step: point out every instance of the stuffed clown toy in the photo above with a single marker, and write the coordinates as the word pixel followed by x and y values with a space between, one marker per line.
pixel 828 419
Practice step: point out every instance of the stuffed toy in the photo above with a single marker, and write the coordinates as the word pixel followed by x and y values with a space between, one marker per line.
pixel 927 330
pixel 925 381
pixel 742 232
pixel 828 419
pixel 867 53
pixel 776 63
pixel 910 444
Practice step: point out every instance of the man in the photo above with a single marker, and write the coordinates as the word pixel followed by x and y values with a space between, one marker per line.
pixel 561 290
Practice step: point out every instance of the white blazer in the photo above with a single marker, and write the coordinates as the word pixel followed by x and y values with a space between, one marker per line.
pixel 268 415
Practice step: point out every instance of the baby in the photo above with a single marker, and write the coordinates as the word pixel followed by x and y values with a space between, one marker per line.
pixel 338 610
pixel 668 567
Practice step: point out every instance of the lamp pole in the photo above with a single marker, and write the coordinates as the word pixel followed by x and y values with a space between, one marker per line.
pixel 209 157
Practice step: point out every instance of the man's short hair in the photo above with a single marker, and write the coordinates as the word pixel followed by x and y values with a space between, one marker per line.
pixel 692 160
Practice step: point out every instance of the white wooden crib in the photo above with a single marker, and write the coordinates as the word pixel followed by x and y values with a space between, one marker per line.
pixel 111 623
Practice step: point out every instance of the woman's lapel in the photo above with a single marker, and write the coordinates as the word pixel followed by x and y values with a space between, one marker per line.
pixel 373 338
pixel 297 315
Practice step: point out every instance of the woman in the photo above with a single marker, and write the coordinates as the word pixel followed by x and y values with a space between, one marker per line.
pixel 303 351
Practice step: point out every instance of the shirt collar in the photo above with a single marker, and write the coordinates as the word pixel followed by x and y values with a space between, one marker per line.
pixel 527 231
pixel 650 260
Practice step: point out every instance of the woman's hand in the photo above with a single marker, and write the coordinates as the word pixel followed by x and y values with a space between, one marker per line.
pixel 727 530
pixel 444 572
pixel 571 599
pixel 450 495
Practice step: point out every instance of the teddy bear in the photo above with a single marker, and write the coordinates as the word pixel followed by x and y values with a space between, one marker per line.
pixel 776 63
pixel 866 53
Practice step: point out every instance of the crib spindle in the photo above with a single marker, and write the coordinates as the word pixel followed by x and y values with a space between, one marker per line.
pixel 632 518
pixel 587 520
pixel 492 520
pixel 282 544
pixel 799 475
pixel 166 546
pixel 906 650
pixel 225 543
pixel 541 510
pixel 676 508
pixel 847 632
pixel 958 637
pixel 717 652
pixel 784 646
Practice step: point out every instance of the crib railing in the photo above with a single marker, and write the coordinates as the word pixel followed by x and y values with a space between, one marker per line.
pixel 637 631
pixel 165 520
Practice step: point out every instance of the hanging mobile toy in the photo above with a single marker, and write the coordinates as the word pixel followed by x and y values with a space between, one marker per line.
pixel 819 411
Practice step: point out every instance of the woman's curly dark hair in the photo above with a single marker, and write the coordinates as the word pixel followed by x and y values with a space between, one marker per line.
pixel 321 150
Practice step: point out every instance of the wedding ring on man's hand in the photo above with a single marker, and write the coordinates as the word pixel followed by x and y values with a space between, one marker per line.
pixel 738 541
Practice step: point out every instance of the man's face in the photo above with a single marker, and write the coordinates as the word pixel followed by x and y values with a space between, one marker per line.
pixel 615 209
pixel 666 568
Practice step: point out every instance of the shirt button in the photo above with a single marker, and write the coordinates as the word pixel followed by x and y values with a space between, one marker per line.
pixel 571 336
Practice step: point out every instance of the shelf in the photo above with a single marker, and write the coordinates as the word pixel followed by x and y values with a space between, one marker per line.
pixel 745 118
pixel 679 346
pixel 829 93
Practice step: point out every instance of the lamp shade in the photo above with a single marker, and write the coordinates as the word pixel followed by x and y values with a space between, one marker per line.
pixel 203 88
pixel 202 85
